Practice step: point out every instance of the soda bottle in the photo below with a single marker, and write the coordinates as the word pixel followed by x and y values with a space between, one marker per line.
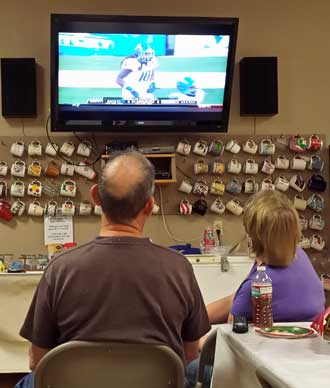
pixel 262 290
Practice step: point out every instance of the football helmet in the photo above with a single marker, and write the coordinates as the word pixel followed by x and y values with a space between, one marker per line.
pixel 144 53
pixel 187 87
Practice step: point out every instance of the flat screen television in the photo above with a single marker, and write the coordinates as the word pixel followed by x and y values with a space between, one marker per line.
pixel 141 73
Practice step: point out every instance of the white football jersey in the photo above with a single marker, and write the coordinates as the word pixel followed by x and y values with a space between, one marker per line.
pixel 140 77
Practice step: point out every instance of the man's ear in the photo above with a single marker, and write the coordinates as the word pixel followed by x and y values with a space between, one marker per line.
pixel 94 192
pixel 149 206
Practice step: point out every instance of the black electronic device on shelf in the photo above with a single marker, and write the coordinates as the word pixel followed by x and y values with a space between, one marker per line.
pixel 141 73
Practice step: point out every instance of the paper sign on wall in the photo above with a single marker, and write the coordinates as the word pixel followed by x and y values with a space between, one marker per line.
pixel 58 230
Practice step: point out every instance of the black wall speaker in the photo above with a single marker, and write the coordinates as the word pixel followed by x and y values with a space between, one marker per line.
pixel 18 87
pixel 258 86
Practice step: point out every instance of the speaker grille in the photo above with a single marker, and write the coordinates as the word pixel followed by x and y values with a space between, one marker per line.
pixel 258 86
pixel 18 87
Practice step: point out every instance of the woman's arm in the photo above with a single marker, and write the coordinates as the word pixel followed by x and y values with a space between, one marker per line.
pixel 219 310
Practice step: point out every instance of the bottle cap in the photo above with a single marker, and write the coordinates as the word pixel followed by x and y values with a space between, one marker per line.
pixel 261 268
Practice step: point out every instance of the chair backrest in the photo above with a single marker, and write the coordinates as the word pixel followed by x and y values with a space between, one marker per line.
pixel 80 364
pixel 206 357
pixel 268 380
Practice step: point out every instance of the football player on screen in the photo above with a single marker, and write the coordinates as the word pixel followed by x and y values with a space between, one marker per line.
pixel 188 91
pixel 137 74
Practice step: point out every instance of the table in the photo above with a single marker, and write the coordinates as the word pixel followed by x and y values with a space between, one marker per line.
pixel 300 363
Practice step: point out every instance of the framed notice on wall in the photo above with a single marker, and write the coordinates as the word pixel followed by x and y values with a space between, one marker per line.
pixel 58 230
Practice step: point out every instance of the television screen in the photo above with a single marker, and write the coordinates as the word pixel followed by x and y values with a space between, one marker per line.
pixel 123 73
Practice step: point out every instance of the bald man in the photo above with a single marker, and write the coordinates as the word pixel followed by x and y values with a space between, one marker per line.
pixel 119 286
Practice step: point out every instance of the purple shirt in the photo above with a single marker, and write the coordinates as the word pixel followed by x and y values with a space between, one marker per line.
pixel 297 292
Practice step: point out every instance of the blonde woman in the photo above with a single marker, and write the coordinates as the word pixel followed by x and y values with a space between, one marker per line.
pixel 272 225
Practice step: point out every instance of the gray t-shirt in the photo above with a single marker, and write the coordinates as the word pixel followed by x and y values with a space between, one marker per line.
pixel 121 289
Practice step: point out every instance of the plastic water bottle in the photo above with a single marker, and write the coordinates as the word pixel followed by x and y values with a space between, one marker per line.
pixel 262 290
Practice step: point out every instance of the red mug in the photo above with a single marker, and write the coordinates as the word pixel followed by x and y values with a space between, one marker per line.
pixel 5 212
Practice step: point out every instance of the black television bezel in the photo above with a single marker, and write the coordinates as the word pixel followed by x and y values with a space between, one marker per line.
pixel 143 121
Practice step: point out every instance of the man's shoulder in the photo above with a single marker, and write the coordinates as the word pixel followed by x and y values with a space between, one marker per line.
pixel 72 254
pixel 168 253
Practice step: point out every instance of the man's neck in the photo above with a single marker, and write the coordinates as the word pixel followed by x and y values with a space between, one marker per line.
pixel 108 230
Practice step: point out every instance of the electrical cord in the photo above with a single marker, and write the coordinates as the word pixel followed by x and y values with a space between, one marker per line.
pixel 61 156
pixel 166 226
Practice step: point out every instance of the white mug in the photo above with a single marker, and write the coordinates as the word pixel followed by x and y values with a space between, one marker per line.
pixel 299 202
pixel 17 148
pixel 3 168
pixel 281 183
pixel 51 208
pixel 282 163
pixel 251 167
pixel 185 187
pixel 35 189
pixel 68 188
pixel 268 167
pixel 35 209
pixel 218 206
pixel 317 242
pixel 85 170
pixel 304 242
pixel 67 148
pixel 35 148
pixel 183 147
pixel 316 222
pixel 267 184
pixel 298 163
pixel 235 207
pixel 18 208
pixel 84 148
pixel 201 148
pixel 18 169
pixel 97 210
pixel 297 182
pixel 51 149
pixel 85 208
pixel 234 166
pixel 266 147
pixel 67 168
pixel 233 147
pixel 68 208
pixel 250 147
pixel 303 222
pixel 17 189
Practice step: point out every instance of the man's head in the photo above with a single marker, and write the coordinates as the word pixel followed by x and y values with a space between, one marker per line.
pixel 126 187
pixel 272 223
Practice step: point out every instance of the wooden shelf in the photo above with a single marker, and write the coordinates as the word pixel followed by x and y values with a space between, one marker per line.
pixel 171 166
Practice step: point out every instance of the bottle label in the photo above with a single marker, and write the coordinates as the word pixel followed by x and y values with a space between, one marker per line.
pixel 258 291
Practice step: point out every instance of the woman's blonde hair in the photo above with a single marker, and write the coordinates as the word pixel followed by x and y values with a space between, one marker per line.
pixel 273 225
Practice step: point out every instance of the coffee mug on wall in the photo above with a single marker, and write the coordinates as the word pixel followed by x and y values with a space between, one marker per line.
pixel 18 208
pixel 51 149
pixel 185 207
pixel 84 148
pixel 233 146
pixel 67 148
pixel 17 189
pixel 218 206
pixel 35 209
pixel 201 148
pixel 183 147
pixel 3 168
pixel 185 187
pixel 250 147
pixel 18 169
pixel 35 148
pixel 17 148
pixel 316 222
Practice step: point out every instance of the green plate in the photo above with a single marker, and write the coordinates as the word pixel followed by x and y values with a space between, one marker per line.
pixel 285 331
